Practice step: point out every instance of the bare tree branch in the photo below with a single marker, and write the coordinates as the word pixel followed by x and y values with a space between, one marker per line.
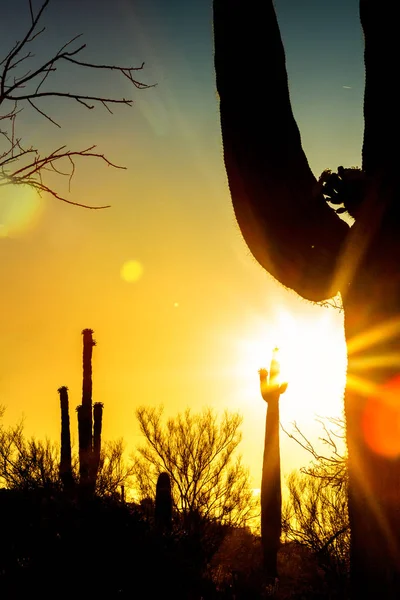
pixel 331 468
pixel 32 172
pixel 198 451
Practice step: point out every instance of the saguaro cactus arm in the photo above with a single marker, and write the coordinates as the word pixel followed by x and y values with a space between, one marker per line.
pixel 65 460
pixel 283 217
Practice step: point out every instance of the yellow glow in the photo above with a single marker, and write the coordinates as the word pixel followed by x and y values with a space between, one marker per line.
pixel 20 209
pixel 381 411
pixel 381 420
pixel 362 386
pixel 131 271
pixel 312 358
pixel 376 334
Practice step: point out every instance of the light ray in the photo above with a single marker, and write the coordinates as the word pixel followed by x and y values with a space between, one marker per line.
pixel 377 334
pixel 375 362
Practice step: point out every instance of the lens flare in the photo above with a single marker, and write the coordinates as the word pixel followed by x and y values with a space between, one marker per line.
pixel 131 271
pixel 381 420
pixel 20 209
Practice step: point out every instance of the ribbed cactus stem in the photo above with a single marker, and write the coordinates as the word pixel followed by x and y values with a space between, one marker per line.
pixel 85 439
pixel 65 459
pixel 98 421
pixel 85 416
pixel 163 507
pixel 88 343
pixel 271 495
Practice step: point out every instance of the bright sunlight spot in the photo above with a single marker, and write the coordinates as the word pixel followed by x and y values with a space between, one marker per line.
pixel 131 271
pixel 312 358
pixel 20 209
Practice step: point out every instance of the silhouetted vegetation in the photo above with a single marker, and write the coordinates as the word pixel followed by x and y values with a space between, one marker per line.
pixel 315 515
pixel 46 534
pixel 31 464
pixel 289 221
pixel 23 164
pixel 198 451
pixel 163 503
pixel 190 525
pixel 271 493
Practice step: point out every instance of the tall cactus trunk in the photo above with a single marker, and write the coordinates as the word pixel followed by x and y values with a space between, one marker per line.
pixel 163 507
pixel 85 418
pixel 271 495
pixel 97 427
pixel 85 443
pixel 89 433
pixel 88 343
pixel 65 460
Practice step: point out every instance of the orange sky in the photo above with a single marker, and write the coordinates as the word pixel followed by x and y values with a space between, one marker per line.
pixel 202 318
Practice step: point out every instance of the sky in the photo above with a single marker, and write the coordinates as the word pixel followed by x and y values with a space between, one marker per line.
pixel 182 314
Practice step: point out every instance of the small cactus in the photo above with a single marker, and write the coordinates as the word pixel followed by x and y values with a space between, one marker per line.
pixel 163 507
pixel 65 459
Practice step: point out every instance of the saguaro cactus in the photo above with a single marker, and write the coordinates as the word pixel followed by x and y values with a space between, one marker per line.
pixel 89 436
pixel 85 410
pixel 65 461
pixel 90 420
pixel 97 426
pixel 163 508
pixel 271 496
pixel 293 233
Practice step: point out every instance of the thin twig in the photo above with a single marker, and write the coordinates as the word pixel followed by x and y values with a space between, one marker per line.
pixel 12 167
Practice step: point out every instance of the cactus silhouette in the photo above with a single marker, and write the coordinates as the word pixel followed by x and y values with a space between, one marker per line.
pixel 89 422
pixel 97 427
pixel 66 454
pixel 85 410
pixel 298 238
pixel 271 495
pixel 163 505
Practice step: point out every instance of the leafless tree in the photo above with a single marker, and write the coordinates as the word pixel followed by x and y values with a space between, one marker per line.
pixel 114 471
pixel 21 164
pixel 198 451
pixel 330 467
pixel 27 463
pixel 315 514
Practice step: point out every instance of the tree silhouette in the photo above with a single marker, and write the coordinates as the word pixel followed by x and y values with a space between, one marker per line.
pixel 198 452
pixel 26 165
pixel 297 237
pixel 29 464
pixel 315 512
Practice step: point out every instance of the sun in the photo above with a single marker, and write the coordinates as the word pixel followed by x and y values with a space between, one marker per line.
pixel 312 358
pixel 20 209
